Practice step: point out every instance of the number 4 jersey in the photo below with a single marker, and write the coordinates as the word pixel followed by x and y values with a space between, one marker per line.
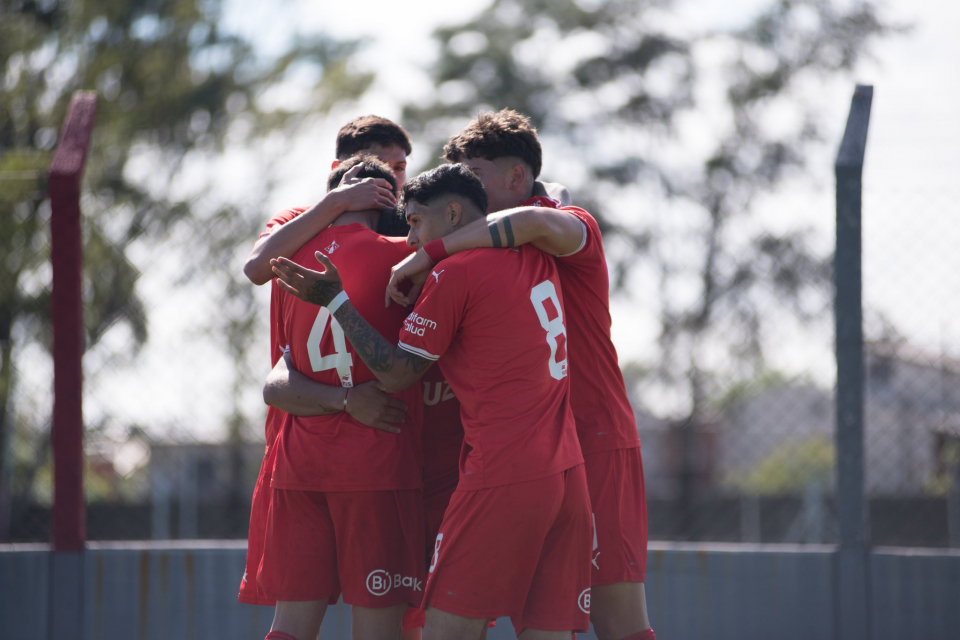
pixel 496 317
pixel 334 452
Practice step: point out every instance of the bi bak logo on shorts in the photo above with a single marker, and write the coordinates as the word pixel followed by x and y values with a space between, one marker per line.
pixel 379 582
pixel 584 600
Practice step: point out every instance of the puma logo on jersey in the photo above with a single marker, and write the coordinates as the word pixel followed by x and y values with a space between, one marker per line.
pixel 437 275
pixel 333 247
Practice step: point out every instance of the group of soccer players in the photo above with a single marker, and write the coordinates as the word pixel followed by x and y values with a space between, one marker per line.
pixel 507 480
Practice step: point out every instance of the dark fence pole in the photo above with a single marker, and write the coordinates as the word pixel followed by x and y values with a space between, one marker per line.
pixel 66 310
pixel 852 563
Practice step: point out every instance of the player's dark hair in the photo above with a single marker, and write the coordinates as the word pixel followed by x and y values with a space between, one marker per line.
pixel 362 133
pixel 445 180
pixel 492 135
pixel 373 167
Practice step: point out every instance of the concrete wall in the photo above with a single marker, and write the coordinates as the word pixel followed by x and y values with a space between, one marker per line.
pixel 188 590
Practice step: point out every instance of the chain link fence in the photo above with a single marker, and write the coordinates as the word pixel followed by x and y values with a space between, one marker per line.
pixel 174 434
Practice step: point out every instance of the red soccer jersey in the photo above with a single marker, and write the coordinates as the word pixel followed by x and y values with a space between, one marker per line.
pixel 336 453
pixel 597 393
pixel 496 317
pixel 442 435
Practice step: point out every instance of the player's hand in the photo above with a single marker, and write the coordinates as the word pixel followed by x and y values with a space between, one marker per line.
pixel 369 404
pixel 414 269
pixel 364 194
pixel 315 287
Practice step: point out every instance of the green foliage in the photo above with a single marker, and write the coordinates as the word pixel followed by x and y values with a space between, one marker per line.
pixel 789 468
pixel 659 117
pixel 170 82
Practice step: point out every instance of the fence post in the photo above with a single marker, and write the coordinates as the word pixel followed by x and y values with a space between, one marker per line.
pixel 852 582
pixel 66 311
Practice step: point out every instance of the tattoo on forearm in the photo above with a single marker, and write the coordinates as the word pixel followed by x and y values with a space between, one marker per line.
pixel 375 352
pixel 495 233
pixel 508 230
pixel 378 354
pixel 322 293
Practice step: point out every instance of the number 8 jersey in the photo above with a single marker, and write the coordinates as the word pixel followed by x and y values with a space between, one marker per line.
pixel 496 318
pixel 334 452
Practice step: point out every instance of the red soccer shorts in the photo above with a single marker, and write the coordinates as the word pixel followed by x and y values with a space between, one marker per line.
pixel 521 550
pixel 615 479
pixel 366 544
pixel 250 591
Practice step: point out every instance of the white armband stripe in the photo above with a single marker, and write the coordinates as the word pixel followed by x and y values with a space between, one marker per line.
pixel 417 352
pixel 583 241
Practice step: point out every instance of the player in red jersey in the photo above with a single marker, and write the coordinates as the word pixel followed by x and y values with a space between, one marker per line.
pixel 515 539
pixel 370 406
pixel 504 152
pixel 345 514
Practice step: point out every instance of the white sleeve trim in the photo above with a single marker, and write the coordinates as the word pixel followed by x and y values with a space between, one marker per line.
pixel 417 352
pixel 583 241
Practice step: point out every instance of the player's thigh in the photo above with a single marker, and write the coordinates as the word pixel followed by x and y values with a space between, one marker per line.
pixel 559 597
pixel 488 546
pixel 617 496
pixel 379 546
pixel 299 619
pixel 300 555
pixel 535 634
pixel 376 624
pixel 619 610
pixel 442 625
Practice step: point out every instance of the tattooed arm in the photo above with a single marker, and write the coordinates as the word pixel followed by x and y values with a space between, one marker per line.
pixel 395 368
pixel 551 230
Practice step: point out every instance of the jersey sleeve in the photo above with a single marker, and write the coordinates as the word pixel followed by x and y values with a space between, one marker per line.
pixel 278 339
pixel 591 248
pixel 429 330
pixel 279 220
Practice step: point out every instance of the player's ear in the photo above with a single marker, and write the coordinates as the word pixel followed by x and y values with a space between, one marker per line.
pixel 334 165
pixel 454 212
pixel 517 176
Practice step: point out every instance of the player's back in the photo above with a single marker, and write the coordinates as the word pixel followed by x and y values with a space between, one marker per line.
pixel 496 316
pixel 597 392
pixel 334 452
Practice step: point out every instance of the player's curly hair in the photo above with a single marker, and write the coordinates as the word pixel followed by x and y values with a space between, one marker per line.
pixel 448 179
pixel 373 167
pixel 497 135
pixel 361 133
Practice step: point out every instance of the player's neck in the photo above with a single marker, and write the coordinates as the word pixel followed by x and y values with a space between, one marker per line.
pixel 366 218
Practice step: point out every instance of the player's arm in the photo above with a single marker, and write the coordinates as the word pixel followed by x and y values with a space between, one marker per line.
pixel 351 195
pixel 394 367
pixel 296 394
pixel 551 230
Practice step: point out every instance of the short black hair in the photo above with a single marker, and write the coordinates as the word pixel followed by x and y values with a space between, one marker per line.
pixel 373 167
pixel 503 134
pixel 448 179
pixel 362 133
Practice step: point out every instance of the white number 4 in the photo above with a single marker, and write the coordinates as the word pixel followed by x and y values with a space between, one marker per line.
pixel 554 328
pixel 340 359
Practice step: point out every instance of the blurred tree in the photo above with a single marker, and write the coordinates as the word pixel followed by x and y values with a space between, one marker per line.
pixel 170 81
pixel 655 116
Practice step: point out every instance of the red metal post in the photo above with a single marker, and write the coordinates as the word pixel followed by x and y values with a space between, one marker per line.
pixel 66 171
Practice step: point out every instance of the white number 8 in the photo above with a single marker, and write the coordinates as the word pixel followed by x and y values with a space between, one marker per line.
pixel 546 291
pixel 340 359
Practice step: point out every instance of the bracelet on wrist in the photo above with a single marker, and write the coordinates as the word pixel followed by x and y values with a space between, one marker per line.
pixel 435 250
pixel 338 300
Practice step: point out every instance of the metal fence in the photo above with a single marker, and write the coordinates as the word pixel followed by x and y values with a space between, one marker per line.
pixel 174 432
